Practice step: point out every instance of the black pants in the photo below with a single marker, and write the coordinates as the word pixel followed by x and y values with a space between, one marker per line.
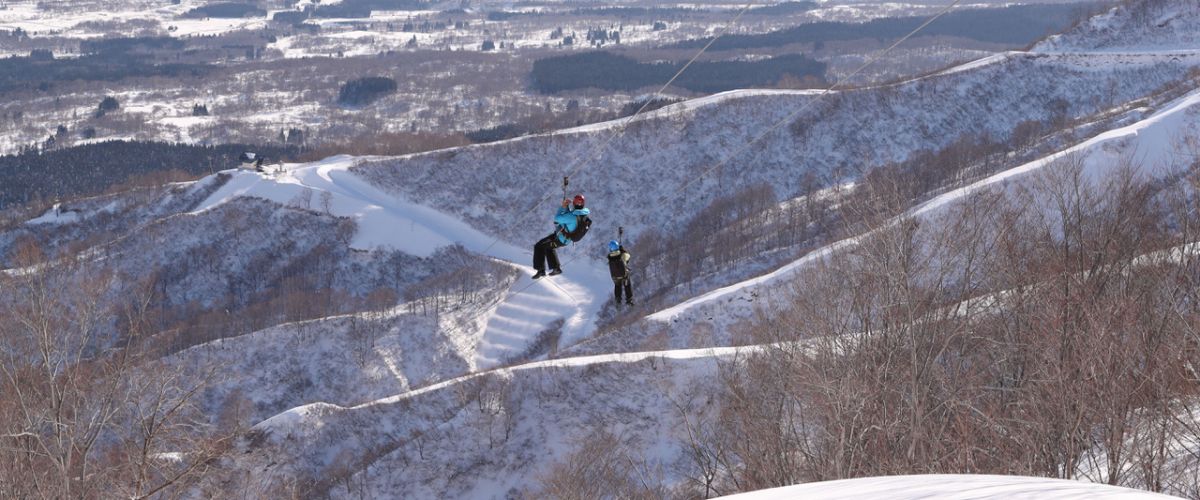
pixel 543 252
pixel 623 284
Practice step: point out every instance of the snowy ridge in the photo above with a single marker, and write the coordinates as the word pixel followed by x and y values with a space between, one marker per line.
pixel 681 109
pixel 829 133
pixel 978 63
pixel 390 221
pixel 717 99
pixel 1153 140
pixel 286 422
pixel 545 407
pixel 1133 26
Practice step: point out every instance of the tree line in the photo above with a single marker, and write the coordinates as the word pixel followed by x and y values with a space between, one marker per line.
pixel 93 168
pixel 1014 26
pixel 609 71
pixel 363 8
pixel 364 91
pixel 39 72
pixel 547 122
pixel 225 10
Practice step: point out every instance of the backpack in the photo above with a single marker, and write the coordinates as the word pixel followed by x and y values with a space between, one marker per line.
pixel 582 224
pixel 616 265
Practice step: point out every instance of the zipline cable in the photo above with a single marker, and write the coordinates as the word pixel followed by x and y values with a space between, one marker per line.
pixel 575 165
pixel 871 60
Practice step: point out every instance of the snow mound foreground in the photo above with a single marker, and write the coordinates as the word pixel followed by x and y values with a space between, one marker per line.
pixel 949 487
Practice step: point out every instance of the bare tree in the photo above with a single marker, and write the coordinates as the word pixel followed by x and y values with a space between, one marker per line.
pixel 86 414
pixel 601 466
pixel 1043 329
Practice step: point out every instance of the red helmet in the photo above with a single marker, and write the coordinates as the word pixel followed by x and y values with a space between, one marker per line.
pixel 578 202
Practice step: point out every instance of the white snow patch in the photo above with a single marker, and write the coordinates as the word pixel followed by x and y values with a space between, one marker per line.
pixel 296 418
pixel 55 216
pixel 949 487
pixel 173 457
pixel 978 63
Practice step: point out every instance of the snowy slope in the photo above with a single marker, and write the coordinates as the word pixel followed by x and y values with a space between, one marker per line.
pixel 484 435
pixel 1134 26
pixel 390 221
pixel 74 20
pixel 949 487
pixel 341 360
pixel 1153 141
pixel 421 412
pixel 301 432
pixel 660 168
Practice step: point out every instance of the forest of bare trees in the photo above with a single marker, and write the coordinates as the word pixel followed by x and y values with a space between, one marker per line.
pixel 92 404
pixel 1047 329
pixel 83 414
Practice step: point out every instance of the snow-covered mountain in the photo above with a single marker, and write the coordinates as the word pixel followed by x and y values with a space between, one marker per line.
pixel 832 137
pixel 430 366
pixel 1152 140
pixel 404 444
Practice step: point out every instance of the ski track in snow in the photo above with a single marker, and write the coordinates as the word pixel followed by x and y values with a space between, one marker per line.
pixel 386 221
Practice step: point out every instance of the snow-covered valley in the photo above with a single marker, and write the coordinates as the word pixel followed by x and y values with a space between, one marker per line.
pixel 260 76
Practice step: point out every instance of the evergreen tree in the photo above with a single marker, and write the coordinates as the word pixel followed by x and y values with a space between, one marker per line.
pixel 109 103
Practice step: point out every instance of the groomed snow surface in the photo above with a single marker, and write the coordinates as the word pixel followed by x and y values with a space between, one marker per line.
pixel 949 487
pixel 387 221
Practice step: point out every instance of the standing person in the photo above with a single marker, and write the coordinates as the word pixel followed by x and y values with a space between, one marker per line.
pixel 571 222
pixel 618 267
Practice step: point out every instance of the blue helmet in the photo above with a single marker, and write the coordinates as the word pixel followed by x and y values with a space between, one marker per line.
pixel 614 245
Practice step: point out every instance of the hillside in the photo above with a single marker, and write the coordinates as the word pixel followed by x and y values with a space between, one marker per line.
pixel 987 269
pixel 829 135
pixel 1134 26
pixel 527 404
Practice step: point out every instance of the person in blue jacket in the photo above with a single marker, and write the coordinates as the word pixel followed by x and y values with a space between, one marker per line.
pixel 566 230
